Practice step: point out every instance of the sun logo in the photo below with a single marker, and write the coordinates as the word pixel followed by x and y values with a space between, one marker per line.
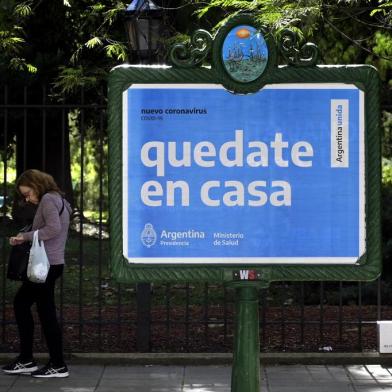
pixel 243 33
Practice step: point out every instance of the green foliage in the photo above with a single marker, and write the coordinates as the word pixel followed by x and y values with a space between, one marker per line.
pixel 99 44
pixel 20 64
pixel 8 171
pixel 95 35
pixel 116 51
pixel 387 134
pixel 9 42
pixel 23 9
pixel 71 80
pixel 90 35
pixel 93 164
pixel 276 14
pixel 383 8
pixel 98 25
pixel 382 47
pixel 12 40
pixel 93 42
pixel 7 181
pixel 354 30
pixel 387 172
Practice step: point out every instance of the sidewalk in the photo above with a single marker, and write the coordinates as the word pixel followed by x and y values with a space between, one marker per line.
pixel 156 378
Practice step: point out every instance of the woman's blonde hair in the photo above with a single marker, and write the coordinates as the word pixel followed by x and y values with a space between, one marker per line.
pixel 39 181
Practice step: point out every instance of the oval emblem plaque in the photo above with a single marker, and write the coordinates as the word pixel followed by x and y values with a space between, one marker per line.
pixel 245 53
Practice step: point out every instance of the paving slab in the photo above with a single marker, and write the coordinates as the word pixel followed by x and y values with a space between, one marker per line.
pixel 338 373
pixel 379 372
pixel 212 375
pixel 138 378
pixel 359 372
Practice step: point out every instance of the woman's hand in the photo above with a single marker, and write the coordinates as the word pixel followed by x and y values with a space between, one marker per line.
pixel 17 240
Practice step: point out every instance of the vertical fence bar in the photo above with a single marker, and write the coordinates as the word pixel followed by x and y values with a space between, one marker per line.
pixel 62 156
pixel 302 310
pixel 225 314
pixel 4 159
pixel 143 329
pixel 321 331
pixel 81 216
pixel 62 185
pixel 24 128
pixel 100 229
pixel 43 164
pixel 379 299
pixel 205 313
pixel 263 294
pixel 119 312
pixel 360 315
pixel 265 312
pixel 167 306
pixel 283 317
pixel 187 317
pixel 44 128
pixel 340 312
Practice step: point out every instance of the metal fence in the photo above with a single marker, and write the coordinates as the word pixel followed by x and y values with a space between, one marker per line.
pixel 68 139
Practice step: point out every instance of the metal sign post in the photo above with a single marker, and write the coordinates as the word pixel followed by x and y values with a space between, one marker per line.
pixel 246 355
pixel 245 172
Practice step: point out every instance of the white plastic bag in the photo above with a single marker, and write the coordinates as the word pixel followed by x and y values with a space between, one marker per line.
pixel 38 266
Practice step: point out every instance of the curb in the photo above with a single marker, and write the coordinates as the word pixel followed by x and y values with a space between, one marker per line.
pixel 205 359
pixel 200 359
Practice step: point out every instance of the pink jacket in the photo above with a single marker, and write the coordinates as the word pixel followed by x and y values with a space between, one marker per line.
pixel 52 227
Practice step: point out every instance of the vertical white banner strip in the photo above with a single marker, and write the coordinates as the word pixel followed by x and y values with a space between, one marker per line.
pixel 339 133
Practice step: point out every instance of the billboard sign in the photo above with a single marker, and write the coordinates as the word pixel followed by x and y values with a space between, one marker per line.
pixel 244 169
pixel 273 177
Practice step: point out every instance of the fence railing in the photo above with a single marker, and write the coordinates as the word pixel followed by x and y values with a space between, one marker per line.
pixel 68 139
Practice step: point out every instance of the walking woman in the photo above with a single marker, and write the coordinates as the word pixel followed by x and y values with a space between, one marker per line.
pixel 52 221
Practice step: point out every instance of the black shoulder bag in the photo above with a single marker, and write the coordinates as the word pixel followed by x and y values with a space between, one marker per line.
pixel 18 259
pixel 19 256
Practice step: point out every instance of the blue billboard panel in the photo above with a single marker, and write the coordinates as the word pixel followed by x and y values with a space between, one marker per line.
pixel 274 177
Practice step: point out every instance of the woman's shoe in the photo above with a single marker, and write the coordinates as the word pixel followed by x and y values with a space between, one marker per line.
pixel 50 371
pixel 20 366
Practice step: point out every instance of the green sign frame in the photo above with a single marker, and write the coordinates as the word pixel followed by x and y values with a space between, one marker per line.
pixel 301 68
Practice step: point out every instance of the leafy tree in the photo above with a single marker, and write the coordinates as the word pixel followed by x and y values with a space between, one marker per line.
pixel 71 45
pixel 42 43
pixel 346 31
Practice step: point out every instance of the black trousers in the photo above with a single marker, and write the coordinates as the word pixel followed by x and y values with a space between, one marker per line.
pixel 43 295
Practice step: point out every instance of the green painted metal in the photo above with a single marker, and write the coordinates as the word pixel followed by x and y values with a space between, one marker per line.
pixel 192 54
pixel 302 70
pixel 301 56
pixel 246 357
